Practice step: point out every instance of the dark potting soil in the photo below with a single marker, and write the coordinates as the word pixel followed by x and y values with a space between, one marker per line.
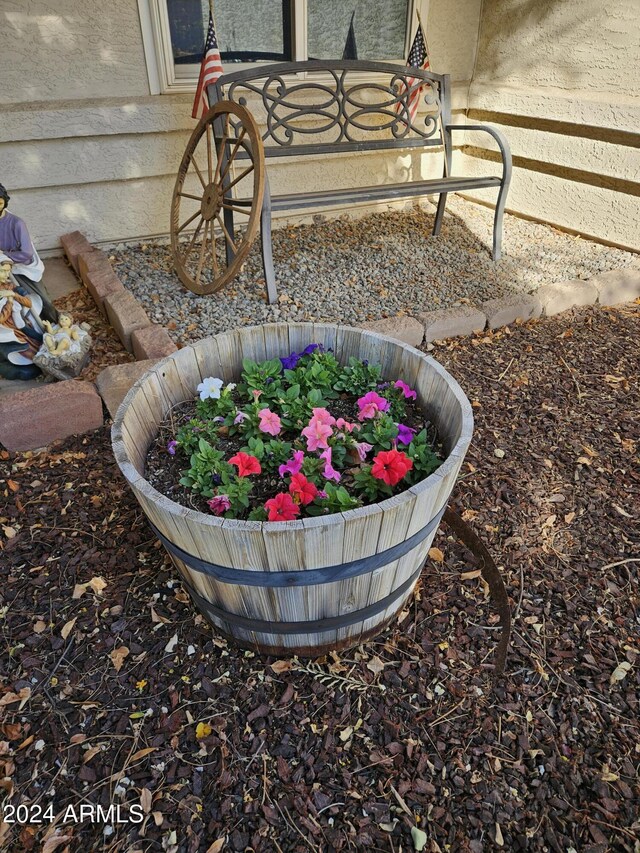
pixel 163 471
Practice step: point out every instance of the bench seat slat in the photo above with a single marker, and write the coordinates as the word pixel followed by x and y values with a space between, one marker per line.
pixel 382 191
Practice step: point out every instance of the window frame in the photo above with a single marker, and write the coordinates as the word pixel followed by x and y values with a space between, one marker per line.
pixel 165 78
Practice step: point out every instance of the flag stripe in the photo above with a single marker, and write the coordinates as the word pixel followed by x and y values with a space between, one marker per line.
pixel 418 58
pixel 210 70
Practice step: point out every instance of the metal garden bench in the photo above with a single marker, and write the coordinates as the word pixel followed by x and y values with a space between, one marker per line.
pixel 325 107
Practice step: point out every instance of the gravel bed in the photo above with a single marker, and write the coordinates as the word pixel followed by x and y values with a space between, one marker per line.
pixel 353 270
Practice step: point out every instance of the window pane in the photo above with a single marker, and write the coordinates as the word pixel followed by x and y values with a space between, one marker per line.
pixel 247 30
pixel 379 28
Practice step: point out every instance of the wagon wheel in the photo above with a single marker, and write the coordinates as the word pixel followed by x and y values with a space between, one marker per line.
pixel 221 174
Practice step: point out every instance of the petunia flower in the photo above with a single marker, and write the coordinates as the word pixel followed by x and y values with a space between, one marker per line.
pixel 256 394
pixel 362 448
pixel 282 508
pixel 317 434
pixel 308 350
pixel 302 490
pixel 171 447
pixel 269 422
pixel 345 426
pixel 323 416
pixel 409 393
pixel 246 463
pixel 219 504
pixel 210 388
pixel 292 466
pixel 390 466
pixel 289 362
pixel 371 405
pixel 240 417
pixel 329 472
pixel 405 434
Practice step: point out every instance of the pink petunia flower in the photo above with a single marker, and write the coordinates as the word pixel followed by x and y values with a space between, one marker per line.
pixel 345 426
pixel 362 449
pixel 371 405
pixel 219 504
pixel 409 393
pixel 269 422
pixel 292 466
pixel 323 416
pixel 317 434
pixel 329 472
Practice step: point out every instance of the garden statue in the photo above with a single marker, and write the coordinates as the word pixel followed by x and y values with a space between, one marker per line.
pixel 16 245
pixel 20 326
pixel 65 348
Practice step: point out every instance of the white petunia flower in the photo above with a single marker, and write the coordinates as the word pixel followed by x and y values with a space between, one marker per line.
pixel 210 388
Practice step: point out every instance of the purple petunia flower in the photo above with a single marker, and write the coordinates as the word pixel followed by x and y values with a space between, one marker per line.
pixel 290 361
pixel 405 434
pixel 308 350
pixel 171 447
pixel 239 418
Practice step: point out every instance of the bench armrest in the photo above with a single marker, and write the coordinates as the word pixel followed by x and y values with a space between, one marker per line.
pixel 499 137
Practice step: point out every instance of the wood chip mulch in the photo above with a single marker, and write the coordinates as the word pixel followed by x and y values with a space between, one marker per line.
pixel 116 693
pixel 106 348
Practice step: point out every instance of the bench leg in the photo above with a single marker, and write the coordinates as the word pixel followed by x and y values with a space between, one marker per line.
pixel 497 222
pixel 439 214
pixel 267 248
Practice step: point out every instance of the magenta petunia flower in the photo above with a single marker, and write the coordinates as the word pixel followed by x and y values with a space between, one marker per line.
pixel 269 422
pixel 292 466
pixel 371 405
pixel 219 504
pixel 329 472
pixel 409 393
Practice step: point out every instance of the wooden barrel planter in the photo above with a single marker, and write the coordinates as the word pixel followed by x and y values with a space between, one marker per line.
pixel 310 585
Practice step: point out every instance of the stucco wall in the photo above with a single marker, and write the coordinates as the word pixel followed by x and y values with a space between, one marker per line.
pixel 561 80
pixel 84 145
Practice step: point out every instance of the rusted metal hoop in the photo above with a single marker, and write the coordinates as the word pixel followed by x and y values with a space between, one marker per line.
pixel 229 130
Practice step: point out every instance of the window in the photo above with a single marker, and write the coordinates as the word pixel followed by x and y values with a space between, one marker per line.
pixel 251 31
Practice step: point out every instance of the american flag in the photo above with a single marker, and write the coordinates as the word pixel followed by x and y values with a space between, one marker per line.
pixel 418 58
pixel 210 70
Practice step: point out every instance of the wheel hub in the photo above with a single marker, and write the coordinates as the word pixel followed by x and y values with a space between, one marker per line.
pixel 211 202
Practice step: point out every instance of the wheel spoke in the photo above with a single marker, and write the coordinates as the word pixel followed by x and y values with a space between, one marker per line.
pixel 245 210
pixel 199 173
pixel 190 219
pixel 233 153
pixel 239 178
pixel 193 240
pixel 214 254
pixel 201 259
pixel 209 154
pixel 227 235
pixel 188 195
pixel 223 142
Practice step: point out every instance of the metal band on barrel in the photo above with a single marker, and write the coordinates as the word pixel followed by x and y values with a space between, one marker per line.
pixel 310 577
pixel 331 623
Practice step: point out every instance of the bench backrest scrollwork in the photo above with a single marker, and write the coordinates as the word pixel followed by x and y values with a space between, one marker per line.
pixel 325 106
